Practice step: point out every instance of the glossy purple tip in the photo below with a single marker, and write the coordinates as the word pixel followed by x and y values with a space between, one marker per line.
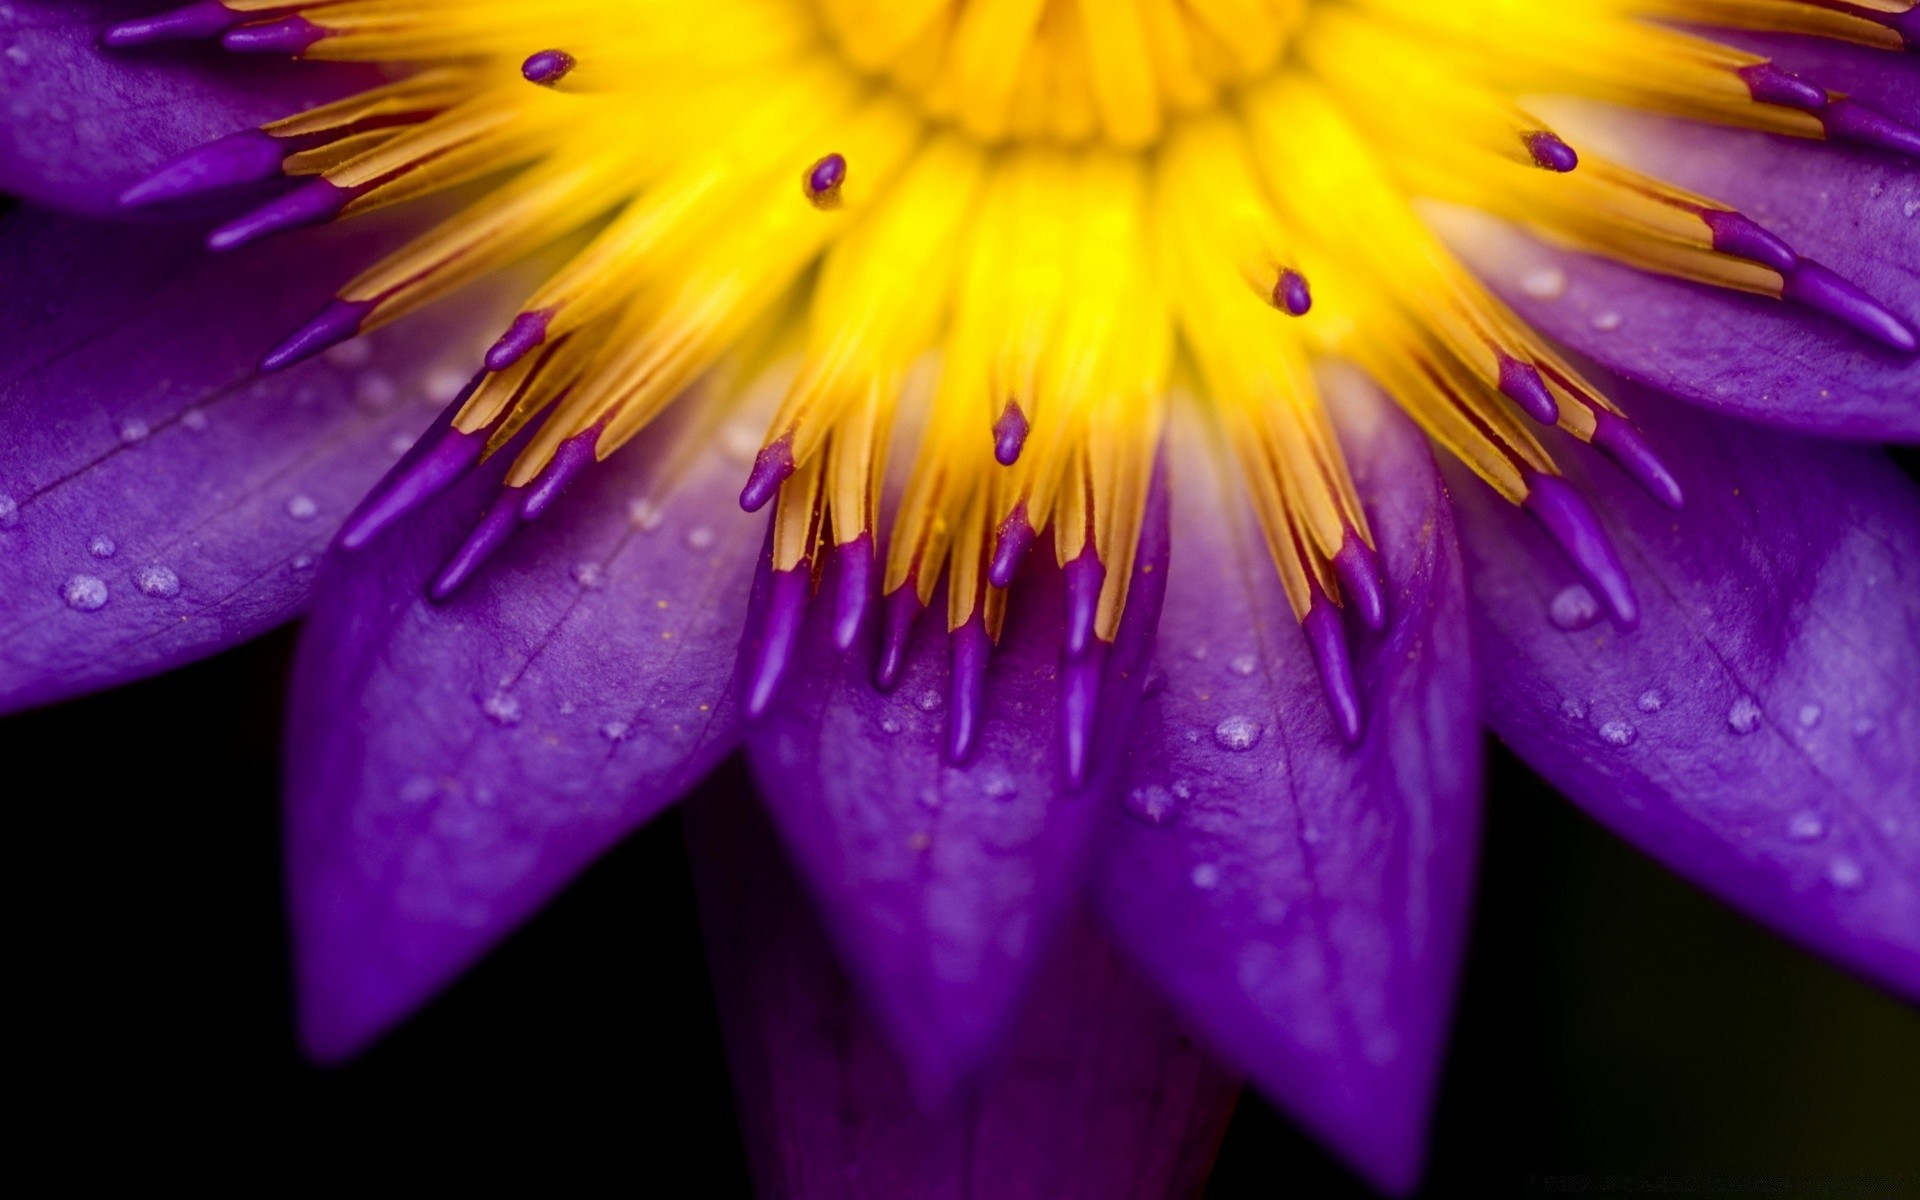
pixel 338 321
pixel 572 457
pixel 771 467
pixel 312 203
pixel 1570 522
pixel 547 67
pixel 1079 709
pixel 1085 576
pixel 1548 152
pixel 1010 434
pixel 1327 638
pixel 1292 294
pixel 436 462
pixel 1010 546
pixel 1849 120
pixel 1815 286
pixel 853 591
pixel 1621 442
pixel 1358 569
pixel 206 19
pixel 245 157
pixel 1521 383
pixel 823 180
pixel 528 331
pixel 288 35
pixel 1769 84
pixel 779 635
pixel 496 526
pixel 902 608
pixel 971 648
pixel 1739 235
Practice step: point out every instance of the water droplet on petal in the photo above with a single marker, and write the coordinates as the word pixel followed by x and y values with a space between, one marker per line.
pixel 399 444
pixel 1809 715
pixel 700 538
pixel 1573 710
pixel 1206 877
pixel 614 731
pixel 301 562
pixel 1244 665
pixel 1845 874
pixel 133 430
pixel 999 785
pixel 375 392
pixel 194 419
pixel 929 701
pixel 1744 717
pixel 1197 653
pixel 589 575
pixel 1544 283
pixel 889 725
pixel 1574 608
pixel 157 581
pixel 1617 733
pixel 443 385
pixel 501 709
pixel 84 593
pixel 101 546
pixel 1650 701
pixel 1806 827
pixel 644 515
pixel 1152 804
pixel 9 512
pixel 1607 322
pixel 1864 726
pixel 1237 734
pixel 349 355
pixel 302 508
pixel 929 797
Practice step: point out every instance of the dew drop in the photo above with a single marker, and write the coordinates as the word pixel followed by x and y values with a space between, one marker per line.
pixel 9 511
pixel 443 385
pixel 1153 805
pixel 999 785
pixel 589 575
pixel 700 538
pixel 1573 710
pixel 1574 608
pixel 1845 874
pixel 1806 827
pixel 1243 665
pixel 375 392
pixel 101 546
pixel 1544 283
pixel 1607 322
pixel 133 430
pixel 889 725
pixel 418 789
pixel 929 701
pixel 349 355
pixel 399 444
pixel 1197 652
pixel 1864 727
pixel 740 442
pixel 501 709
pixel 1911 207
pixel 301 562
pixel 614 731
pixel 194 419
pixel 1809 715
pixel 1237 734
pixel 84 593
pixel 644 514
pixel 1650 701
pixel 568 708
pixel 302 508
pixel 18 56
pixel 1744 717
pixel 1617 733
pixel 157 581
pixel 1206 877
pixel 929 797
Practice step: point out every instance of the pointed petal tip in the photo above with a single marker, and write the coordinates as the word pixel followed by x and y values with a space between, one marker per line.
pixel 1572 523
pixel 336 323
pixel 902 608
pixel 1327 639
pixel 245 157
pixel 853 591
pixel 313 203
pixel 193 22
pixel 1823 290
pixel 441 458
pixel 786 612
pixel 1358 568
pixel 291 36
pixel 970 650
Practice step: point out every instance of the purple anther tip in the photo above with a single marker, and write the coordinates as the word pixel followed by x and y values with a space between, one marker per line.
pixel 312 203
pixel 1739 235
pixel 771 467
pixel 447 456
pixel 1906 24
pixel 1327 638
pixel 1627 447
pixel 1010 434
pixel 970 648
pixel 853 592
pixel 1769 84
pixel 1521 383
pixel 1292 294
pixel 572 457
pixel 902 608
pixel 547 67
pixel 1847 120
pixel 193 22
pixel 823 179
pixel 338 321
pixel 288 35
pixel 1010 546
pixel 1085 577
pixel 779 635
pixel 1820 289
pixel 1358 569
pixel 1079 709
pixel 245 157
pixel 529 330
pixel 496 526
pixel 1549 153
pixel 1572 523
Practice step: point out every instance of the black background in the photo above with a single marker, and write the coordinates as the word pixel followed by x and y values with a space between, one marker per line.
pixel 1614 1022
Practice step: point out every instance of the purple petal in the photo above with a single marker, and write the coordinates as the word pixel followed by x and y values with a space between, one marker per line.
pixel 1099 1094
pixel 451 766
pixel 1749 356
pixel 81 123
pixel 158 501
pixel 943 886
pixel 1303 901
pixel 1760 731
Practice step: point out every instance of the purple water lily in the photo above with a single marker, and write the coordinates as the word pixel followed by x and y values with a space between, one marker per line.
pixel 1213 764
